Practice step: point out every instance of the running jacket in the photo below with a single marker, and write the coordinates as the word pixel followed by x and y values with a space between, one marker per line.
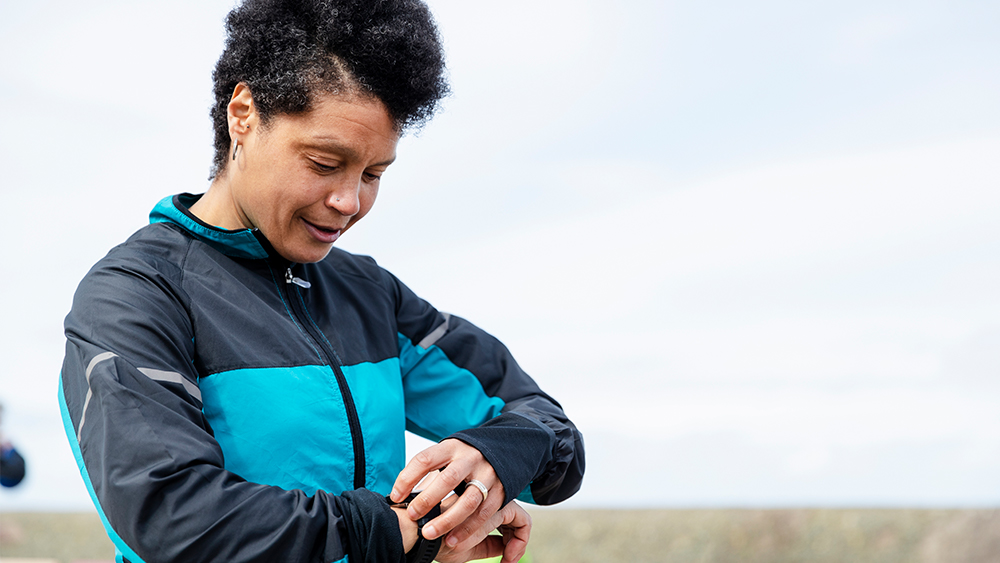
pixel 224 404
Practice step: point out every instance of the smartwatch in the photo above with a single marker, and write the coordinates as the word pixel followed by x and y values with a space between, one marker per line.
pixel 425 550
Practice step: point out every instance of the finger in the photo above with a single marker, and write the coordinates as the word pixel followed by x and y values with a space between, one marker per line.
pixel 424 462
pixel 492 524
pixel 488 547
pixel 483 509
pixel 514 550
pixel 448 502
pixel 516 529
pixel 493 546
pixel 440 487
pixel 465 511
pixel 490 505
pixel 516 518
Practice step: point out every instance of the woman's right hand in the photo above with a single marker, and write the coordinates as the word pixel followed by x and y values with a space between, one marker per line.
pixel 513 522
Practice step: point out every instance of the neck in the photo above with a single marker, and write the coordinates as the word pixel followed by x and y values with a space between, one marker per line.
pixel 217 207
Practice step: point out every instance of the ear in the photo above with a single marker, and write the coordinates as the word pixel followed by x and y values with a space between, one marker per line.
pixel 242 112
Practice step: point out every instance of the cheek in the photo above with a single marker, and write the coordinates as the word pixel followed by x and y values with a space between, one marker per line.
pixel 366 199
pixel 298 193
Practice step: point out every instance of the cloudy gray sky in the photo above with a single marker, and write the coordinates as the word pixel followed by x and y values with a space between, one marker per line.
pixel 753 248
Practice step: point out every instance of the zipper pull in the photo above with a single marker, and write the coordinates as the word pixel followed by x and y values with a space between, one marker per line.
pixel 289 278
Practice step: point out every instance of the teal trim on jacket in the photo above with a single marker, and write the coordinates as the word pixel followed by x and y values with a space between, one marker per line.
pixel 241 243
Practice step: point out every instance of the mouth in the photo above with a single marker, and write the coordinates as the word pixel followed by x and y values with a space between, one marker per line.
pixel 326 235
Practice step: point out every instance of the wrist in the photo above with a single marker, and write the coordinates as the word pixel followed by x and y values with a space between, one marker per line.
pixel 420 549
pixel 407 529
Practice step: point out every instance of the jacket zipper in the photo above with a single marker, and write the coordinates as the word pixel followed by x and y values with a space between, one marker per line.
pixel 289 278
pixel 329 355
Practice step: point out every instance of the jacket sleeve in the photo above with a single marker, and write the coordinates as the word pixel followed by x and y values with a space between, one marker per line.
pixel 462 383
pixel 132 412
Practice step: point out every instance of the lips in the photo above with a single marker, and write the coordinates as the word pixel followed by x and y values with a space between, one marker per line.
pixel 322 234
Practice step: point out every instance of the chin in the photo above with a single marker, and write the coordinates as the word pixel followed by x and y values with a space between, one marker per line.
pixel 306 256
pixel 314 257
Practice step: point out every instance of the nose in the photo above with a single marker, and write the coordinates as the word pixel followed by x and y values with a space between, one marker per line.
pixel 344 196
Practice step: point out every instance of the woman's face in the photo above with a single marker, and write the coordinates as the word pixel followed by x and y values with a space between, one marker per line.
pixel 306 178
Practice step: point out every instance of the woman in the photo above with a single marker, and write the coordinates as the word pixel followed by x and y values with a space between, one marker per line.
pixel 236 389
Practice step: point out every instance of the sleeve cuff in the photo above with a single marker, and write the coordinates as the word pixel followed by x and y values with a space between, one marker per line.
pixel 517 447
pixel 372 527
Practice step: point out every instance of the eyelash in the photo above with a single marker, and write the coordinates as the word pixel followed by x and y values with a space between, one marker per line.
pixel 327 169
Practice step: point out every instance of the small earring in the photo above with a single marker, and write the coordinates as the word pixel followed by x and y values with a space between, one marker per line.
pixel 236 148
pixel 338 199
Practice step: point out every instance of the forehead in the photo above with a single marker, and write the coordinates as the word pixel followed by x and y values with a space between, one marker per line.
pixel 357 124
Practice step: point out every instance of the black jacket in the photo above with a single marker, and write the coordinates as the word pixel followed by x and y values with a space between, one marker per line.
pixel 226 405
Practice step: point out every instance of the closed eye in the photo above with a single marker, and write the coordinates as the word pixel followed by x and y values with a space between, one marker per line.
pixel 323 168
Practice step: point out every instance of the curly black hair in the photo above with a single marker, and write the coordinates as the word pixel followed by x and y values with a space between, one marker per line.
pixel 286 51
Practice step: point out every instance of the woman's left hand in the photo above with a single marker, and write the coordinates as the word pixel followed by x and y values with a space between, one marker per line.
pixel 514 524
pixel 458 463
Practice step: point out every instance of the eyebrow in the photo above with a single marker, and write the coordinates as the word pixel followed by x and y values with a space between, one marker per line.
pixel 334 145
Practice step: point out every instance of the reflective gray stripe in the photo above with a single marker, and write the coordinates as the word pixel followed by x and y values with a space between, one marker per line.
pixel 172 377
pixel 90 392
pixel 437 333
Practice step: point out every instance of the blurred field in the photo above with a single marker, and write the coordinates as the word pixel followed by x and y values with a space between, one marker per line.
pixel 667 536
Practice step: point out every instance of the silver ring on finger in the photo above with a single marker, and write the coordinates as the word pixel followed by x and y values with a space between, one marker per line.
pixel 482 488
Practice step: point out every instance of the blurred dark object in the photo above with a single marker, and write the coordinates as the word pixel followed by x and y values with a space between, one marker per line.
pixel 11 462
pixel 11 466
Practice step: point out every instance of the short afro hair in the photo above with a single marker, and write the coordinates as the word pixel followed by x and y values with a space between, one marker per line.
pixel 286 51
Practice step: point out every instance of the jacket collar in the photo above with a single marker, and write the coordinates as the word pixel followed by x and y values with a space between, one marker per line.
pixel 240 243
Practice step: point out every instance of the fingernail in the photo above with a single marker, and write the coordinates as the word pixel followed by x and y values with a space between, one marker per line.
pixel 412 513
pixel 429 532
pixel 452 541
pixel 395 495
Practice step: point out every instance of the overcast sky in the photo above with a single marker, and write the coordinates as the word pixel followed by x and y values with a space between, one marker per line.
pixel 753 248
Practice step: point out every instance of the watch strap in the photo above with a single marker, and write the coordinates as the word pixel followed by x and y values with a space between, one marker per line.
pixel 425 550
